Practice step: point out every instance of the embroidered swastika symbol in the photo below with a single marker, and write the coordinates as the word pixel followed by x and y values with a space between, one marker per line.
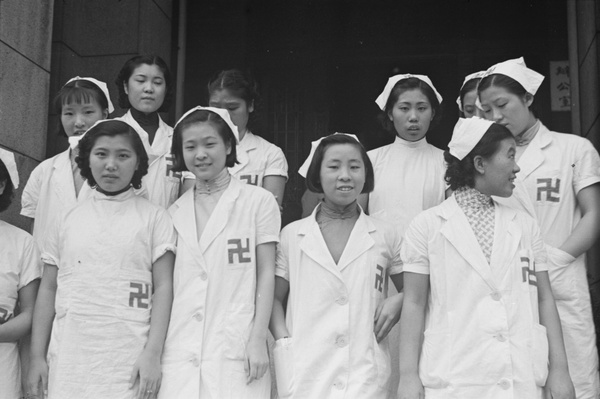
pixel 234 247
pixel 552 190
pixel 528 271
pixel 250 179
pixel 139 296
pixel 170 172
pixel 379 279
pixel 4 316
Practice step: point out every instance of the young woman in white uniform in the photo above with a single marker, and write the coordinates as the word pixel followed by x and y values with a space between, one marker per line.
pixel 20 271
pixel 259 162
pixel 56 185
pixel 467 96
pixel 558 185
pixel 145 87
pixel 332 266
pixel 477 292
pixel 409 173
pixel 216 346
pixel 106 293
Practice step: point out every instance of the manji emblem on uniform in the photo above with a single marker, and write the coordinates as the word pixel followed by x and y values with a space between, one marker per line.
pixel 528 269
pixel 235 247
pixel 379 278
pixel 548 189
pixel 250 179
pixel 3 316
pixel 170 172
pixel 139 297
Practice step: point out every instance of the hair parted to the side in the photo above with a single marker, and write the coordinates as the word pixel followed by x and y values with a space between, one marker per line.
pixel 461 173
pixel 467 88
pixel 406 85
pixel 239 84
pixel 313 176
pixel 510 85
pixel 111 128
pixel 78 92
pixel 7 195
pixel 196 117
pixel 127 70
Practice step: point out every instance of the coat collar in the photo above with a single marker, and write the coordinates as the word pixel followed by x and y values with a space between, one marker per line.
pixel 162 141
pixel 184 220
pixel 459 233
pixel 63 173
pixel 533 157
pixel 313 244
pixel 248 144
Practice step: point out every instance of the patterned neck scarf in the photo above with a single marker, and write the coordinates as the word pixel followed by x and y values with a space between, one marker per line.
pixel 479 210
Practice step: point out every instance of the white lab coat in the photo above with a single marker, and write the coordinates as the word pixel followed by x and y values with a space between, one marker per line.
pixel 554 168
pixel 409 178
pixel 331 307
pixel 258 158
pixel 50 192
pixel 482 334
pixel 19 265
pixel 161 184
pixel 104 249
pixel 214 294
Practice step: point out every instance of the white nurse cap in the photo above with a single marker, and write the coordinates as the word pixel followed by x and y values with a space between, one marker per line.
pixel 101 85
pixel 223 113
pixel 516 69
pixel 8 158
pixel 385 94
pixel 313 147
pixel 476 75
pixel 467 133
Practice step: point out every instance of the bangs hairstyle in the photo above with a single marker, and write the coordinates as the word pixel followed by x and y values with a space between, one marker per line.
pixel 313 176
pixel 468 87
pixel 78 92
pixel 7 195
pixel 406 85
pixel 239 84
pixel 127 70
pixel 461 173
pixel 196 117
pixel 111 128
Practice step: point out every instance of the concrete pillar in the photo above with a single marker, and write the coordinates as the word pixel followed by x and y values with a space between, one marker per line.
pixel 25 32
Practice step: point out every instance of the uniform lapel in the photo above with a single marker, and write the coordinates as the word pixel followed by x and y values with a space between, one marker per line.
pixel 459 233
pixel 359 242
pixel 143 135
pixel 65 186
pixel 533 157
pixel 507 236
pixel 243 155
pixel 220 215
pixel 313 245
pixel 182 213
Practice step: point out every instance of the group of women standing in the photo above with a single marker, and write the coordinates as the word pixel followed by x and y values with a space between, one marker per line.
pixel 164 267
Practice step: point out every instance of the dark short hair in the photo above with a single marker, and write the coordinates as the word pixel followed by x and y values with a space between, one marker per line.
pixel 469 86
pixel 507 83
pixel 7 195
pixel 130 66
pixel 111 128
pixel 313 176
pixel 202 116
pixel 406 85
pixel 461 173
pixel 79 91
pixel 239 84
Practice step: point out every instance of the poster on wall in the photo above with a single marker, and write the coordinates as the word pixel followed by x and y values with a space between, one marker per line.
pixel 560 86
